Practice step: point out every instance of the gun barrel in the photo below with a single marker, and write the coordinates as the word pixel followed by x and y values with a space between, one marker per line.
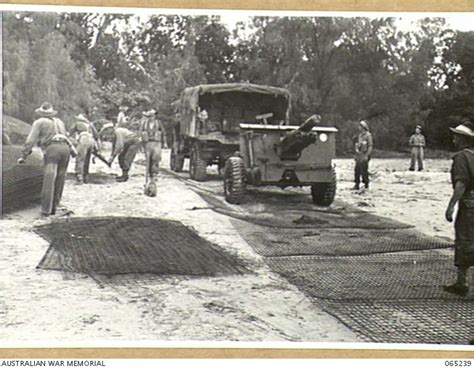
pixel 309 123
pixel 295 142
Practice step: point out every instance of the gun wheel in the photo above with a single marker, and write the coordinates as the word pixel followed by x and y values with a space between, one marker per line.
pixel 323 194
pixel 176 161
pixel 197 165
pixel 234 184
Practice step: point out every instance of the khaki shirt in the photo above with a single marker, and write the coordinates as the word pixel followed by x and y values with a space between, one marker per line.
pixel 122 138
pixel 150 130
pixel 80 126
pixel 463 169
pixel 364 145
pixel 42 131
pixel 417 139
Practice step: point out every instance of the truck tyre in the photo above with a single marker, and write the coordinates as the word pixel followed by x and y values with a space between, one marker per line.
pixel 197 165
pixel 234 184
pixel 176 161
pixel 323 193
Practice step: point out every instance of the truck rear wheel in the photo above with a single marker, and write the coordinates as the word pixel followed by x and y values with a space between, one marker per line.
pixel 176 161
pixel 323 194
pixel 234 184
pixel 197 165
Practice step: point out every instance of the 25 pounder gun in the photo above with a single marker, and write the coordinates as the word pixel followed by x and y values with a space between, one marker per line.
pixel 294 142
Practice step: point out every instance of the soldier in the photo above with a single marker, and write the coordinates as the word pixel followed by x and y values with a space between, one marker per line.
pixel 87 142
pixel 417 143
pixel 202 119
pixel 122 119
pixel 462 178
pixel 152 136
pixel 125 144
pixel 50 135
pixel 363 149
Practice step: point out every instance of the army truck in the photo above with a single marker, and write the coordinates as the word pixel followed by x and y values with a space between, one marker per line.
pixel 209 117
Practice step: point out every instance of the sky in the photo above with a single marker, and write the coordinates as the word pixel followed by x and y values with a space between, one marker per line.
pixel 458 21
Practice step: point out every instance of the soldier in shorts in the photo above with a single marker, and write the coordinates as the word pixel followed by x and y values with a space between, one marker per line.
pixel 151 136
pixel 462 178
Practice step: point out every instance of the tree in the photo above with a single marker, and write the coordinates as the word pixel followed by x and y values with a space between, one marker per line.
pixel 346 69
pixel 212 49
pixel 455 100
pixel 39 67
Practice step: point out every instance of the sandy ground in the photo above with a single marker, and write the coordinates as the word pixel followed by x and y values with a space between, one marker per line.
pixel 38 305
pixel 416 198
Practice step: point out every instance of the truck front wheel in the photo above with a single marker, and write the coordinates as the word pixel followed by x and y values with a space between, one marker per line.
pixel 234 184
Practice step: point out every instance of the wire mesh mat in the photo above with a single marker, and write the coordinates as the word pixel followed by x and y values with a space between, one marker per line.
pixel 376 277
pixel 389 298
pixel 268 241
pixel 318 219
pixel 380 277
pixel 21 184
pixel 294 214
pixel 421 321
pixel 122 245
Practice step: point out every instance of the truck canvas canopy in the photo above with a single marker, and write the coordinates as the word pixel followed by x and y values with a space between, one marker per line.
pixel 238 103
pixel 190 96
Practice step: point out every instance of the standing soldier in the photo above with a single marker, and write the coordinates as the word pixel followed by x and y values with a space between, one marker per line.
pixel 151 134
pixel 125 144
pixel 50 135
pixel 462 178
pixel 417 143
pixel 363 150
pixel 87 142
pixel 122 119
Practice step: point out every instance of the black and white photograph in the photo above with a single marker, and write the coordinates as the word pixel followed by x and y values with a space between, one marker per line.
pixel 236 178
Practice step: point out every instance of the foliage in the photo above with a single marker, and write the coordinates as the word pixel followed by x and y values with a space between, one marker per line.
pixel 346 69
pixel 455 101
pixel 38 67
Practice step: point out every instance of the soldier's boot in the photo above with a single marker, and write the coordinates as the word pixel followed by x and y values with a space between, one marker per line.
pixel 459 287
pixel 79 178
pixel 123 177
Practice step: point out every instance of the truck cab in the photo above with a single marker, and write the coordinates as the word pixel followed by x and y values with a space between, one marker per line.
pixel 208 129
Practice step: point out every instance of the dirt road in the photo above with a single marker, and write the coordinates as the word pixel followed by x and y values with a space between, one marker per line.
pixel 38 305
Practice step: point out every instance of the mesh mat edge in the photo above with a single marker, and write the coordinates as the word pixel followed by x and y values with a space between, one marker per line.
pixel 268 241
pixel 153 250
